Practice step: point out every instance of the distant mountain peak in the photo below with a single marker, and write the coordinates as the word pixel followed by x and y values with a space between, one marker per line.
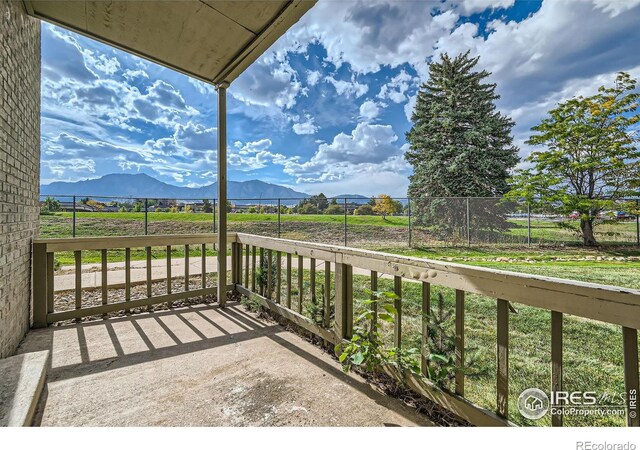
pixel 142 185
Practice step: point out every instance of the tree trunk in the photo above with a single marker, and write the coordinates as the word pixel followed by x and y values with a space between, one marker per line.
pixel 586 225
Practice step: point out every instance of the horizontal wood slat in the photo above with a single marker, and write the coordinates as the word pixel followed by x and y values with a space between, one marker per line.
pixel 111 307
pixel 109 242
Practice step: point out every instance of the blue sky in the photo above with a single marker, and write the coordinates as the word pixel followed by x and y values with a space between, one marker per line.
pixel 326 109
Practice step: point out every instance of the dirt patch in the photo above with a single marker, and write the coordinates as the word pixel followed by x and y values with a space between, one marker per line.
pixel 258 399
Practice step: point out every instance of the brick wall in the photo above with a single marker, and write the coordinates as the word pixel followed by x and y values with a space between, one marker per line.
pixel 19 167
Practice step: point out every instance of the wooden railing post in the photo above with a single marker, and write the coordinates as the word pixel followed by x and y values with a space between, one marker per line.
pixel 502 377
pixel 556 360
pixel 39 285
pixel 344 301
pixel 631 383
pixel 459 343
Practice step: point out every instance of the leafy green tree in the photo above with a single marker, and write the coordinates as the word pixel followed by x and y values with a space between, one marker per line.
pixel 591 161
pixel 207 207
pixel 460 145
pixel 385 206
pixel 334 209
pixel 51 204
pixel 364 210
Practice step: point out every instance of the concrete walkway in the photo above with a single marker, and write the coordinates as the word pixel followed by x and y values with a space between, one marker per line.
pixel 65 279
pixel 201 366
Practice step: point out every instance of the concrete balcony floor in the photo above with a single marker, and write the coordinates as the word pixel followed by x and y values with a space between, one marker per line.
pixel 201 366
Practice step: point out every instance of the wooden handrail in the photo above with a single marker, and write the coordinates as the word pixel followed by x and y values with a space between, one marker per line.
pixel 611 304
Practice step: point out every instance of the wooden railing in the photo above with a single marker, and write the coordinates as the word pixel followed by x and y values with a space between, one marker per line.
pixel 598 302
pixel 263 268
pixel 44 250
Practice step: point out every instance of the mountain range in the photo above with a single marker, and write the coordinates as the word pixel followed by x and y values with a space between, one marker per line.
pixel 145 186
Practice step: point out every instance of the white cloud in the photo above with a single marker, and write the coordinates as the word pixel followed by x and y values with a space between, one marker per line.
pixel 367 149
pixel 313 76
pixel 268 82
pixel 61 167
pixel 307 127
pixel 255 155
pixel 410 106
pixel 369 110
pixel 397 87
pixel 469 7
pixel 615 7
pixel 369 35
pixel 348 88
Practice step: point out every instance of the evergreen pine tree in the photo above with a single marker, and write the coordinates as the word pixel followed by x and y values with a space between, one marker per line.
pixel 460 145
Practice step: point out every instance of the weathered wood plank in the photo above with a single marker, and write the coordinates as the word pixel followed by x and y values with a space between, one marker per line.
pixel 631 383
pixel 300 283
pixel 312 280
pixel 253 268
pixel 426 317
pixel 78 260
pixel 556 360
pixel 186 267
pixel 460 343
pixel 246 265
pixel 261 281
pixel 502 380
pixel 169 278
pixel 397 303
pixel 138 303
pixel 374 305
pixel 203 272
pixel 50 279
pixel 127 276
pixel 278 276
pixel 269 274
pixel 327 295
pixel 344 301
pixel 149 284
pixel 104 282
pixel 156 240
pixel 455 403
pixel 289 281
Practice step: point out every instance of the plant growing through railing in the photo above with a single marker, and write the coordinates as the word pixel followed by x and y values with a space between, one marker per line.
pixel 366 349
pixel 263 275
pixel 440 346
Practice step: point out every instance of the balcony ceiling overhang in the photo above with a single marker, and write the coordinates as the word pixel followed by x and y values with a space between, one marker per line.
pixel 213 41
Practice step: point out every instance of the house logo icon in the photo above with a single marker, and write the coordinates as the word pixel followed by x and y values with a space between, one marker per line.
pixel 533 403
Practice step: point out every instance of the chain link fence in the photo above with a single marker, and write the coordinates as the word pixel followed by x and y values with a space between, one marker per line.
pixel 358 222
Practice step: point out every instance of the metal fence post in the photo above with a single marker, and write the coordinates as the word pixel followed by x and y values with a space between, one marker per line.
pixel 528 223
pixel 73 226
pixel 146 216
pixel 409 214
pixel 214 214
pixel 345 222
pixel 468 224
pixel 278 217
